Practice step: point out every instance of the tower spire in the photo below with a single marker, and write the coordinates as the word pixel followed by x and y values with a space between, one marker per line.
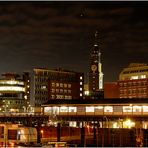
pixel 95 71
pixel 96 38
pixel 99 64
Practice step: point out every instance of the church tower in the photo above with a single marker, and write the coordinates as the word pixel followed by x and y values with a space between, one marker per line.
pixel 95 68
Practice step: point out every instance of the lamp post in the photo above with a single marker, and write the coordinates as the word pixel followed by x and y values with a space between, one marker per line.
pixel 42 136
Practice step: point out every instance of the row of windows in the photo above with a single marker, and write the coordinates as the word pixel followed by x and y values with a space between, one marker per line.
pixel 13 102
pixel 139 83
pixel 132 91
pixel 134 96
pixel 126 109
pixel 135 71
pixel 61 90
pixel 60 85
pixel 40 92
pixel 61 97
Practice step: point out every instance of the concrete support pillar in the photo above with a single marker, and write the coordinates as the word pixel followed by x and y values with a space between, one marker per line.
pixel 38 135
pixel 83 134
pixel 94 135
pixel 59 132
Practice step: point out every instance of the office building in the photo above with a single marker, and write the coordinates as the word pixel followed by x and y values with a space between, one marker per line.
pixel 133 81
pixel 56 84
pixel 14 92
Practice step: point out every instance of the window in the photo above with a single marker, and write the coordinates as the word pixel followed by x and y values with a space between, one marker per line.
pixel 57 84
pixel 65 85
pixel 143 76
pixel 72 109
pixel 52 90
pixel 81 83
pixel 52 96
pixel 89 109
pixel 69 91
pixel 57 90
pixel 61 90
pixel 61 84
pixel 136 108
pixel 145 108
pixel 69 85
pixel 108 109
pixel 53 84
pixel 59 96
pixel 127 108
pixel 81 77
pixel 63 109
pixel 134 77
pixel 65 90
pixel 80 88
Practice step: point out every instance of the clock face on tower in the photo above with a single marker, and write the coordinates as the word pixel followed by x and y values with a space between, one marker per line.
pixel 93 68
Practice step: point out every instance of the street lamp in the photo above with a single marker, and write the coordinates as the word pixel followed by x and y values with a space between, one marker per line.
pixel 106 121
pixel 42 135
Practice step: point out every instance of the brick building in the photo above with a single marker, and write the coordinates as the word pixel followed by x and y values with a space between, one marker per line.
pixel 132 83
pixel 56 84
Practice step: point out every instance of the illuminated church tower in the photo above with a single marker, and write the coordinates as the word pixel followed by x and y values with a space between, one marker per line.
pixel 95 69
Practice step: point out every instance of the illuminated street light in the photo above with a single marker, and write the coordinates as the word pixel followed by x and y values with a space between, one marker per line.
pixel 128 123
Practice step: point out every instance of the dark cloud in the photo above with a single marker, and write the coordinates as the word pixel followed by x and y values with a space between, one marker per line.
pixel 61 34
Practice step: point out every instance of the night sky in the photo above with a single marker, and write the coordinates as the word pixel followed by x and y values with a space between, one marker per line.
pixel 61 34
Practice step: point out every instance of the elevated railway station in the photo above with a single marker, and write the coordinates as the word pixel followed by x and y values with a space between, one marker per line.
pixel 108 112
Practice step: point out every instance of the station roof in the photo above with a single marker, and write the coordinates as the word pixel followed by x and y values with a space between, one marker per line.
pixel 116 101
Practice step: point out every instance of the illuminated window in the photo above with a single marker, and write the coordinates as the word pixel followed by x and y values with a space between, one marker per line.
pixel 68 97
pixel 99 107
pixel 136 108
pixel 61 84
pixel 59 96
pixel 134 77
pixel 53 84
pixel 73 124
pixel 69 91
pixel 65 85
pixel 52 90
pixel 11 88
pixel 48 109
pixel 72 109
pixel 43 87
pixel 145 108
pixel 69 85
pixel 55 110
pixel 11 82
pixel 61 90
pixel 25 96
pixel 86 93
pixel 57 84
pixel 127 108
pixel 65 90
pixel 81 77
pixel 108 109
pixel 143 76
pixel 81 83
pixel 63 109
pixel 80 94
pixel 52 96
pixel 57 90
pixel 80 88
pixel 90 109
